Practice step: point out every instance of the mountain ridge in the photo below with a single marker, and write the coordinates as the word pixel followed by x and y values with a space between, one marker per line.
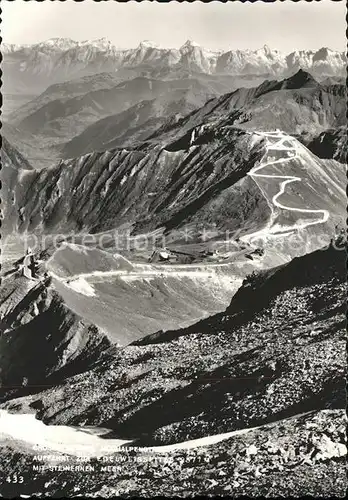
pixel 58 60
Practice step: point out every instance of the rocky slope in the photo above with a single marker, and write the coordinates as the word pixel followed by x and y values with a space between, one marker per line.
pixel 278 350
pixel 294 457
pixel 276 353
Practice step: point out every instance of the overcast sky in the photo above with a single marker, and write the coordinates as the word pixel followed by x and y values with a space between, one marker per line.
pixel 283 25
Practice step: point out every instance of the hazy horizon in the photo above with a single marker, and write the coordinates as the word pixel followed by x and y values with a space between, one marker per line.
pixel 286 26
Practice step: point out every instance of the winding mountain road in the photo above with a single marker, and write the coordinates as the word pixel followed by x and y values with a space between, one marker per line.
pixel 272 229
pixel 275 141
pixel 27 429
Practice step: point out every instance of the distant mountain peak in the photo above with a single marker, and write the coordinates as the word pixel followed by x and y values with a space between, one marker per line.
pixel 101 43
pixel 302 75
pixel 265 50
pixel 58 43
pixel 102 39
pixel 326 50
pixel 148 43
pixel 58 40
pixel 190 44
pixel 322 54
pixel 301 79
pixel 53 58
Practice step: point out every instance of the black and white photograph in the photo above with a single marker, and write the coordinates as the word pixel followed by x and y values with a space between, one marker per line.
pixel 173 289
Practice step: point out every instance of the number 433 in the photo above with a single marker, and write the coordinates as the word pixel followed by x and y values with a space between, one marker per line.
pixel 14 479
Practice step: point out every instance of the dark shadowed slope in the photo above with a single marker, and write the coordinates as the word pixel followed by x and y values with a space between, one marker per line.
pixel 41 340
pixel 15 174
pixel 331 144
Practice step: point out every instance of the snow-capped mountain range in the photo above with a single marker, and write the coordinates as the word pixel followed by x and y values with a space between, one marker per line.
pixel 60 59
